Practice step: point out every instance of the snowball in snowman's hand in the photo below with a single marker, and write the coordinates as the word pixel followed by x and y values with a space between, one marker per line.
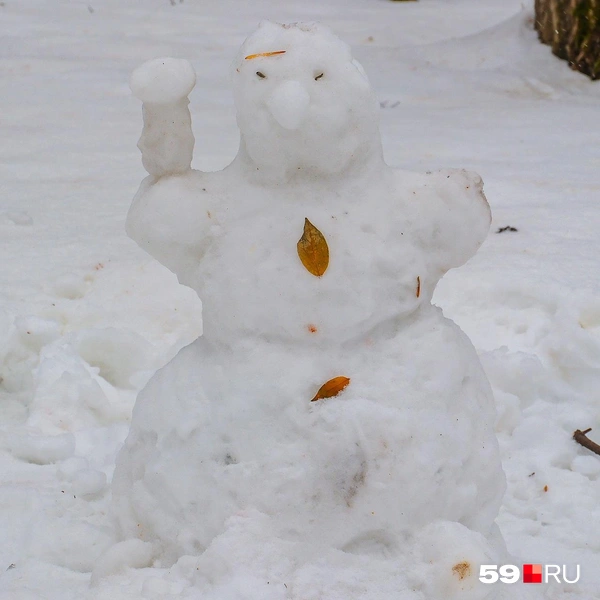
pixel 167 141
pixel 163 80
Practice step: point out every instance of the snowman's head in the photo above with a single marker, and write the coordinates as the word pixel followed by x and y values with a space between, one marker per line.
pixel 303 104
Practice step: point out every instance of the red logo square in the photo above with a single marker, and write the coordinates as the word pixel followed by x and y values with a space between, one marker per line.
pixel 532 573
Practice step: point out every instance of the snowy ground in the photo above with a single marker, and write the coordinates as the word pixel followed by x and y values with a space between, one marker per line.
pixel 86 317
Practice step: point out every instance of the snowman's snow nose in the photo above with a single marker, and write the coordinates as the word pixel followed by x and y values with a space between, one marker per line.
pixel 288 104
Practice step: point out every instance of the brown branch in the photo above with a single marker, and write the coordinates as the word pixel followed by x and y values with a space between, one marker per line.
pixel 580 437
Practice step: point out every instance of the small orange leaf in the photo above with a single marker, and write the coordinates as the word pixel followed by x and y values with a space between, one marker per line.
pixel 418 286
pixel 313 250
pixel 331 388
pixel 462 569
pixel 260 54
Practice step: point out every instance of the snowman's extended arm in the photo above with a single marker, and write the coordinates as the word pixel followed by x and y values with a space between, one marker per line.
pixel 454 217
pixel 167 141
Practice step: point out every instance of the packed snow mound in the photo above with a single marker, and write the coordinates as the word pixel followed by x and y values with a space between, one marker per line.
pixel 348 472
pixel 316 264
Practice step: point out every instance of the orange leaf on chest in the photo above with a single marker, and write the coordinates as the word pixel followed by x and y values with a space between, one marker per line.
pixel 313 250
pixel 332 388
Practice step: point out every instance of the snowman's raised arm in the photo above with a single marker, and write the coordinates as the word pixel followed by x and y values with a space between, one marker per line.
pixel 167 141
pixel 453 216
pixel 168 218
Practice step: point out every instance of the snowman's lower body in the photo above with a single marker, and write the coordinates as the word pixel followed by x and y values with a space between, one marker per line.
pixel 228 458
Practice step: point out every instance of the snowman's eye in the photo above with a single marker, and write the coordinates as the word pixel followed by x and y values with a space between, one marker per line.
pixel 261 75
pixel 317 77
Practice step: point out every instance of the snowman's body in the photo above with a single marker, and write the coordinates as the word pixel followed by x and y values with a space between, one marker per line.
pixel 228 426
pixel 391 236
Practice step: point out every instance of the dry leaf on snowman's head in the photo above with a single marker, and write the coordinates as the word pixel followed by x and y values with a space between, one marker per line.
pixel 331 388
pixel 313 250
pixel 263 54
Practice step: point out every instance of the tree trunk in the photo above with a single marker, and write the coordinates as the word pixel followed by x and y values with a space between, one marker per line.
pixel 572 28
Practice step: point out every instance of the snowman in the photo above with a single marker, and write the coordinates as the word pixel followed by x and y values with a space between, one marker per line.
pixel 327 398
